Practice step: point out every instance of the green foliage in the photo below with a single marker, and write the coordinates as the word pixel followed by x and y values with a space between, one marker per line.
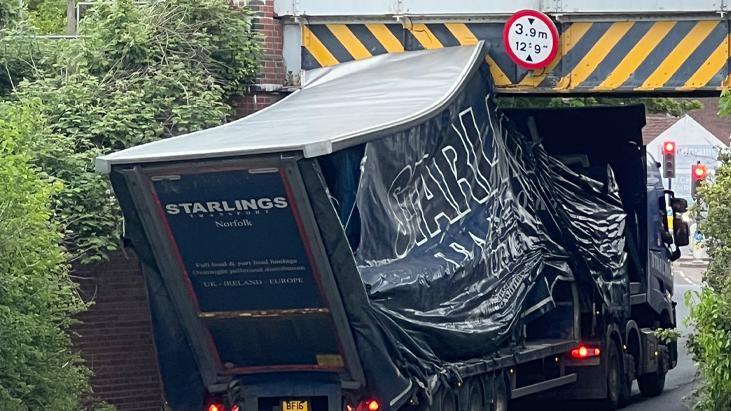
pixel 38 369
pixel 675 107
pixel 23 54
pixel 716 224
pixel 724 104
pixel 710 313
pixel 47 16
pixel 710 345
pixel 9 13
pixel 667 335
pixel 202 36
pixel 24 57
pixel 140 72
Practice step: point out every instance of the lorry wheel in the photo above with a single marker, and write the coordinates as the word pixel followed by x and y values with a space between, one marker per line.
pixel 653 384
pixel 614 379
pixel 500 396
pixel 627 378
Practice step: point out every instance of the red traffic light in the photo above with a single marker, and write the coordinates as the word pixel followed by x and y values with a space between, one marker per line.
pixel 699 172
pixel 668 147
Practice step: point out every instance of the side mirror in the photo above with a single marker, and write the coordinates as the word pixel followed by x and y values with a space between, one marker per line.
pixel 679 205
pixel 681 232
pixel 675 254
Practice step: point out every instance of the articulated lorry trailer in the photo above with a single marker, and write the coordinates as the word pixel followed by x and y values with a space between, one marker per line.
pixel 386 238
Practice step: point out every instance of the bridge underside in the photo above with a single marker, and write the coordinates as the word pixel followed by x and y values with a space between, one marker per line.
pixel 639 56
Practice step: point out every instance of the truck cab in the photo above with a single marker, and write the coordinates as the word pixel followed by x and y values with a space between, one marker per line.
pixel 613 154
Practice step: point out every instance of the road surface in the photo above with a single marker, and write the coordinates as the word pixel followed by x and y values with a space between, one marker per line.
pixel 679 381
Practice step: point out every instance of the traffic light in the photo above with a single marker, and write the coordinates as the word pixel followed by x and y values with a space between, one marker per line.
pixel 698 173
pixel 668 156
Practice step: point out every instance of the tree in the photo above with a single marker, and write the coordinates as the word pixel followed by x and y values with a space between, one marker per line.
pixel 139 72
pixel 47 16
pixel 38 369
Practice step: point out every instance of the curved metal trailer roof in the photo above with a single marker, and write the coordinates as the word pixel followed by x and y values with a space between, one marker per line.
pixel 342 106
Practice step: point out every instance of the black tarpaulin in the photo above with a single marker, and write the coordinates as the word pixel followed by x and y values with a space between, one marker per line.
pixel 466 224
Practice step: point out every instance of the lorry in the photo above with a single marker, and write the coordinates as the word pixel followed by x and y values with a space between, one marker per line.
pixel 386 238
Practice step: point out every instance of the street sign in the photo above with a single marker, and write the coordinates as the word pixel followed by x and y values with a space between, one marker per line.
pixel 530 39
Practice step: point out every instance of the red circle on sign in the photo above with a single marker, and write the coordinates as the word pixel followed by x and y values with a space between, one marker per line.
pixel 551 27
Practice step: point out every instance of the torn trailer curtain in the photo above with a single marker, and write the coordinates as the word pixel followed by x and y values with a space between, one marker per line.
pixel 466 224
pixel 460 225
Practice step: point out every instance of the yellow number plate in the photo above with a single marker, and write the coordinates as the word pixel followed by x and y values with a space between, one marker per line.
pixel 295 405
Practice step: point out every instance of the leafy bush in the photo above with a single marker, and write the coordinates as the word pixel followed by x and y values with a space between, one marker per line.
pixel 47 16
pixel 9 12
pixel 140 72
pixel 716 225
pixel 710 310
pixel 23 55
pixel 710 344
pixel 38 369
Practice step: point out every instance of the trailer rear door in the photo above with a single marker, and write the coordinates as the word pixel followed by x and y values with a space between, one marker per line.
pixel 246 262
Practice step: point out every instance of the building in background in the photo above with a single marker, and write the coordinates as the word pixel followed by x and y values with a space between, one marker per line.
pixel 698 136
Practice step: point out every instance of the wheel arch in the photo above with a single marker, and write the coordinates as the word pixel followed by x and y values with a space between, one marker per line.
pixel 614 334
pixel 633 343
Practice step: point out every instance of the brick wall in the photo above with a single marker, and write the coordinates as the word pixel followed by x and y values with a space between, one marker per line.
pixel 253 102
pixel 115 336
pixel 272 75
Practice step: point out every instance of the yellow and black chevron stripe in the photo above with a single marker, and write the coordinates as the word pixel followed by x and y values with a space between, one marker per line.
pixel 622 56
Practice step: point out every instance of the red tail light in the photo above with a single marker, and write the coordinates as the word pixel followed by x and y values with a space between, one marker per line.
pixel 369 405
pixel 216 406
pixel 584 351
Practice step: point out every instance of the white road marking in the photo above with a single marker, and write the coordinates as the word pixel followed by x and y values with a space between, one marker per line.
pixel 685 277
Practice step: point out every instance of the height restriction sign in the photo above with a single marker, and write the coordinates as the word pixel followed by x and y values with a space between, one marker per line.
pixel 531 39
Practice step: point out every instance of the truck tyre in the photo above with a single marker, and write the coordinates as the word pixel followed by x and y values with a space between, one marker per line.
pixel 653 384
pixel 614 379
pixel 628 375
pixel 500 395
